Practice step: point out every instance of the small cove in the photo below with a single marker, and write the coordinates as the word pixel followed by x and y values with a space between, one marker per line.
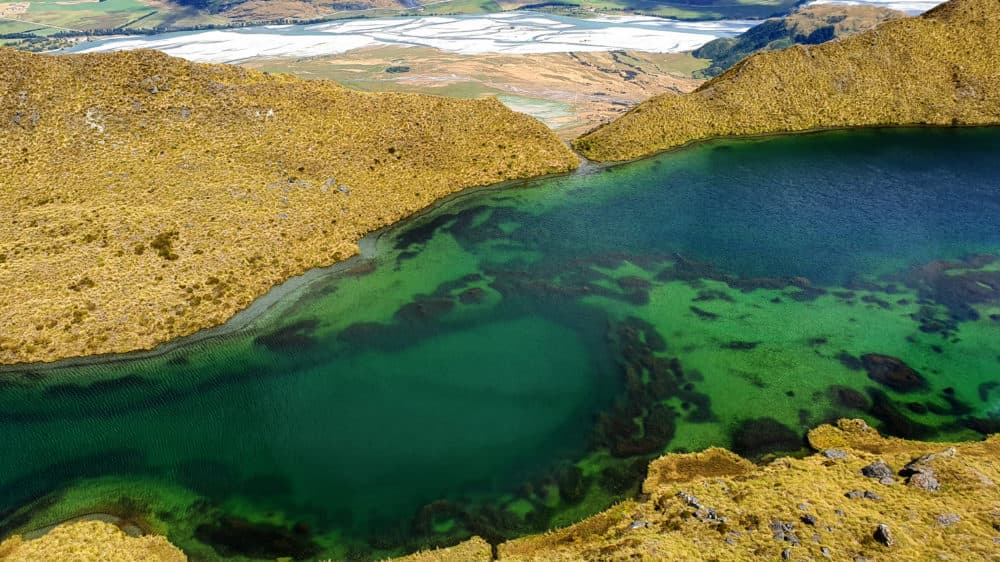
pixel 510 360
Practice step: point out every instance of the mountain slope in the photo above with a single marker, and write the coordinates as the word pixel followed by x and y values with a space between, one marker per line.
pixel 941 68
pixel 150 197
pixel 811 25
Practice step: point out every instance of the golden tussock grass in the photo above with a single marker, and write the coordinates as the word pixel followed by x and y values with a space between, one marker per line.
pixel 149 197
pixel 90 541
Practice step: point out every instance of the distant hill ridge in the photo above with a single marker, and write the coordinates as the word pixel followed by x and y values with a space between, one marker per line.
pixel 941 68
pixel 810 25
pixel 150 197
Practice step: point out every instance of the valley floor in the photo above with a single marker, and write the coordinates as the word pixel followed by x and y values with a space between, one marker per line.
pixel 570 92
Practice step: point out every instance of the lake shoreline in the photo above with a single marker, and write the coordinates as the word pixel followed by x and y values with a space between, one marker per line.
pixel 272 299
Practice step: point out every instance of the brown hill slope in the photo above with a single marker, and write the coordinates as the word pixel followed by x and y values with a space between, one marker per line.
pixel 149 197
pixel 941 68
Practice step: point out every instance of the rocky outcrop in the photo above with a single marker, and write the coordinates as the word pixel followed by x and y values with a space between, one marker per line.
pixel 942 68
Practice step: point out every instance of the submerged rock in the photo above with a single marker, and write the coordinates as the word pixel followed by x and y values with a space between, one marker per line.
pixel 849 398
pixel 757 437
pixel 291 338
pixel 233 536
pixel 895 422
pixel 893 373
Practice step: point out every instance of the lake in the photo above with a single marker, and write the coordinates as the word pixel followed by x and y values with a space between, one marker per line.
pixel 510 360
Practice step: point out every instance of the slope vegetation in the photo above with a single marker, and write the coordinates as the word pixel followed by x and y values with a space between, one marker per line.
pixel 86 541
pixel 715 505
pixel 942 68
pixel 149 197
pixel 811 25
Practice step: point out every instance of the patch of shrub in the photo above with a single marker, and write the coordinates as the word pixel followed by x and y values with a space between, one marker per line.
pixel 163 244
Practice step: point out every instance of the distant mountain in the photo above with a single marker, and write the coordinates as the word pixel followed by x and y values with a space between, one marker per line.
pixel 941 68
pixel 811 25
pixel 147 197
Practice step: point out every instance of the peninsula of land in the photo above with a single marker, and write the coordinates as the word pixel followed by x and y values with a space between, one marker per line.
pixel 164 196
pixel 941 68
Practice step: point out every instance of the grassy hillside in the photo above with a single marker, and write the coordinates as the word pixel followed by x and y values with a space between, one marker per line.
pixel 942 68
pixel 806 26
pixel 149 197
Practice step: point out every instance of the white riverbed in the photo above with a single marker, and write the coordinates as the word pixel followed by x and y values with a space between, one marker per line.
pixel 514 33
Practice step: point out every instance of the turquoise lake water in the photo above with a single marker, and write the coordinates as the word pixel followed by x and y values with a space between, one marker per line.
pixel 510 361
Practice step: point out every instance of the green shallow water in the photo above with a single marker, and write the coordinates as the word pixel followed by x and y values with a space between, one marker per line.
pixel 509 361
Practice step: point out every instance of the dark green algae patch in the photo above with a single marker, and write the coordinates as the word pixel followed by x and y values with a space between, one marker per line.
pixel 510 361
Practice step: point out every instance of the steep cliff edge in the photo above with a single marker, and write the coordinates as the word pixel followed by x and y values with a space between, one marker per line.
pixel 150 197
pixel 942 68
